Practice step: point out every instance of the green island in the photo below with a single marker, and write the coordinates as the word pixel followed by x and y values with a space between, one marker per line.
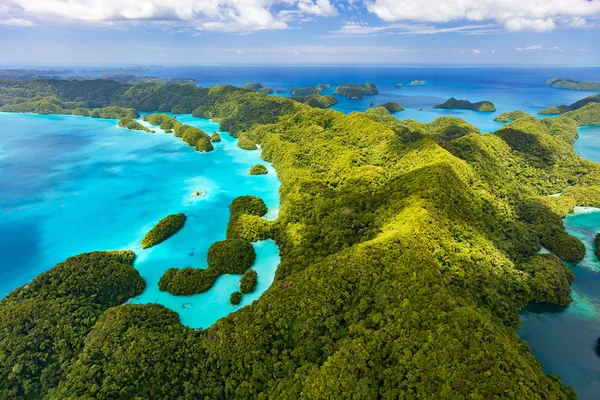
pixel 597 245
pixel 454 104
pixel 304 91
pixel 562 109
pixel 280 91
pixel 266 90
pixel 392 106
pixel 191 135
pixel 356 92
pixel 235 298
pixel 164 229
pixel 510 116
pixel 259 169
pixel 215 137
pixel 253 86
pixel 572 84
pixel 407 251
pixel 129 123
pixel 323 86
pixel 230 256
pixel 248 281
pixel 316 100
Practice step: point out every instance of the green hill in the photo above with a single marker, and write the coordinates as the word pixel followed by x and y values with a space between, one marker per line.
pixel 453 104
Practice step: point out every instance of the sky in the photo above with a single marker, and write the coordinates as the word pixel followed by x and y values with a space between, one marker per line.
pixel 465 32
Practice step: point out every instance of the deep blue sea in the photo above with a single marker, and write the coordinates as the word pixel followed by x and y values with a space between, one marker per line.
pixel 72 184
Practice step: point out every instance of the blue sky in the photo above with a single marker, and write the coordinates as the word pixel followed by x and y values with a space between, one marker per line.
pixel 105 32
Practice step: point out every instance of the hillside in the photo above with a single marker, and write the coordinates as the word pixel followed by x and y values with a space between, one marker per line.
pixel 407 250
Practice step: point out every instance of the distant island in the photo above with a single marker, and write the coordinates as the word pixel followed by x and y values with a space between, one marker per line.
pixel 356 92
pixel 510 116
pixel 398 86
pixel 454 104
pixel 392 106
pixel 417 83
pixel 323 86
pixel 303 91
pixel 563 109
pixel 572 84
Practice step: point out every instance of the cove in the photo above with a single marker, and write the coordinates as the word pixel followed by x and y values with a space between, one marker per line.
pixel 75 184
pixel 564 339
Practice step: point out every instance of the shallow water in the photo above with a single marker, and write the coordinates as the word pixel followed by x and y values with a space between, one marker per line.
pixel 75 184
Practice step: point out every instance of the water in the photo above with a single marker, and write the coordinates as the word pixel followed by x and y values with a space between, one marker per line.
pixel 75 184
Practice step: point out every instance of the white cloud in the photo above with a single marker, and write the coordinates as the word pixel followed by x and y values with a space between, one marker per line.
pixel 538 47
pixel 215 15
pixel 361 29
pixel 16 22
pixel 514 15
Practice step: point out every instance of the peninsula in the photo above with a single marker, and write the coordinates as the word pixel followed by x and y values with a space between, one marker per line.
pixel 572 84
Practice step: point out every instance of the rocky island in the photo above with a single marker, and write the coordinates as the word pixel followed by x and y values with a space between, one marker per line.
pixel 454 104
pixel 356 92
pixel 572 84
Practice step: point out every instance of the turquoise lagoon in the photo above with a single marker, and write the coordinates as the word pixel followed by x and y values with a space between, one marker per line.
pixel 74 184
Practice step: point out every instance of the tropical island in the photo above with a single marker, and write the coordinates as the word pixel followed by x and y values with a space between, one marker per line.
pixel 407 250
pixel 399 86
pixel 575 106
pixel 356 92
pixel 454 104
pixel 164 229
pixel 392 106
pixel 129 123
pixel 572 84
pixel 510 116
pixel 417 83
pixel 323 86
pixel 259 169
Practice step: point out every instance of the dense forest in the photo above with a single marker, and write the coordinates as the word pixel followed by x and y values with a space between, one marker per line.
pixel 453 104
pixel 407 250
pixel 572 84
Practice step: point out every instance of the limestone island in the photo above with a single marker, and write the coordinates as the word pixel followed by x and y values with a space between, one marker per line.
pixel 453 104
pixel 575 106
pixel 398 86
pixel 280 90
pixel 323 86
pixel 266 90
pixel 248 281
pixel 193 136
pixel 303 91
pixel 253 86
pixel 316 100
pixel 510 116
pixel 259 169
pixel 235 298
pixel 129 123
pixel 417 83
pixel 392 106
pixel 572 84
pixel 215 137
pixel 164 229
pixel 353 91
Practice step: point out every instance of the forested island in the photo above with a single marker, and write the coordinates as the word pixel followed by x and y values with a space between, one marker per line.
pixel 454 104
pixel 392 106
pixel 572 84
pixel 510 116
pixel 356 92
pixel 407 250
pixel 562 109
pixel 164 229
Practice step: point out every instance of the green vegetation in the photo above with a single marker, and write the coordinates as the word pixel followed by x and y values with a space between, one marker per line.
pixel 407 250
pixel 252 86
pixel 215 137
pixel 316 100
pixel 588 115
pixel 281 91
pixel 575 106
pixel 354 92
pixel 127 122
pixel 44 324
pixel 510 116
pixel 304 91
pixel 266 90
pixel 231 256
pixel 248 281
pixel 246 222
pixel 323 86
pixel 235 298
pixel 259 169
pixel 392 107
pixel 247 144
pixel 164 229
pixel 572 84
pixel 453 104
pixel 597 245
pixel 191 135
